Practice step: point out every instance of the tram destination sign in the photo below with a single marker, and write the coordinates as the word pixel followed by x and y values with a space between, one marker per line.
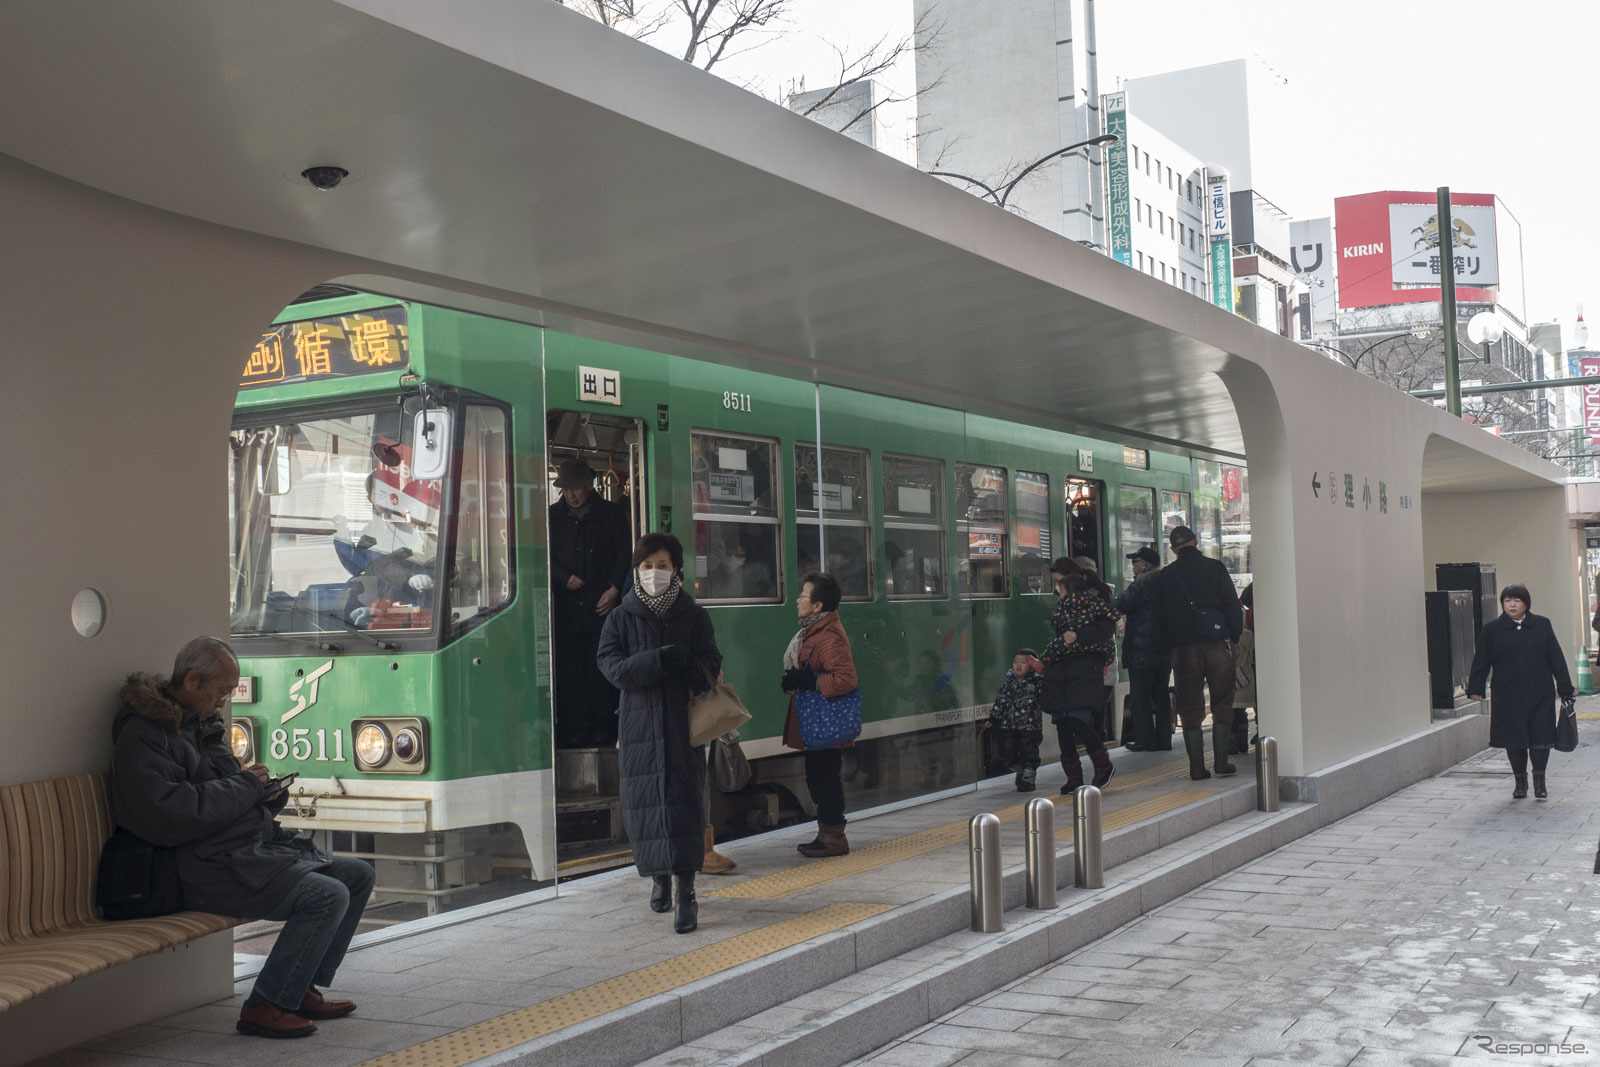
pixel 338 346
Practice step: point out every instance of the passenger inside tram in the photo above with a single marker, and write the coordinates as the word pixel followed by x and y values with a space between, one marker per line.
pixel 743 572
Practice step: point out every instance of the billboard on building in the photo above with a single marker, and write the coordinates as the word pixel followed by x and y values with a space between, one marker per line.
pixel 1388 249
pixel 1311 254
pixel 1119 210
pixel 1590 369
pixel 1219 230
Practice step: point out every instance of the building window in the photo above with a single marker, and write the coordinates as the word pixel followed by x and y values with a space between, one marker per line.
pixel 1141 259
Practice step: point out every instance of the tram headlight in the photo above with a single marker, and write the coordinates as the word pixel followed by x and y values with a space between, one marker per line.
pixel 242 740
pixel 372 745
pixel 397 745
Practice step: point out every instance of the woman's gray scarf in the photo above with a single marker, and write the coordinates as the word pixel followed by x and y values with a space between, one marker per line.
pixel 791 655
pixel 659 604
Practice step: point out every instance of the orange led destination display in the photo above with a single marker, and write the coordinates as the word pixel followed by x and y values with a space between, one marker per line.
pixel 340 346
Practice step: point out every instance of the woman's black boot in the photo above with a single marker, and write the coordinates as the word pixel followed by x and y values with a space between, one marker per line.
pixel 661 893
pixel 1539 791
pixel 688 916
pixel 1521 790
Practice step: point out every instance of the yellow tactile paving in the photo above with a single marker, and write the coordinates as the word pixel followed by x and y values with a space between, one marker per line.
pixel 1588 715
pixel 510 1030
pixel 870 857
pixel 1133 813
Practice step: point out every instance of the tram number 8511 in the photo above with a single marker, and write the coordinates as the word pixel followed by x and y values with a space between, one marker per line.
pixel 299 744
pixel 736 401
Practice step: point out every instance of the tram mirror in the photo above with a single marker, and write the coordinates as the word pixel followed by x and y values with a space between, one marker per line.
pixel 275 477
pixel 430 444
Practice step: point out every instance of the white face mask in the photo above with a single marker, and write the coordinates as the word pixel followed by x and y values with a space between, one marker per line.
pixel 655 582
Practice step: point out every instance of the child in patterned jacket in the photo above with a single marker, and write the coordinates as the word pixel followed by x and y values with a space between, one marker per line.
pixel 1017 722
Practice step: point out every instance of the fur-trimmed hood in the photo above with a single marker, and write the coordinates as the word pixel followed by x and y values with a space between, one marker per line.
pixel 145 695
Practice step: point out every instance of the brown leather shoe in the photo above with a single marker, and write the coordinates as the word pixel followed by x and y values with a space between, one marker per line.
pixel 268 1020
pixel 315 1006
pixel 830 842
pixel 715 862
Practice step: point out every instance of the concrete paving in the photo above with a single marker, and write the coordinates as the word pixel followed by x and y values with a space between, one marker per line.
pixel 1443 923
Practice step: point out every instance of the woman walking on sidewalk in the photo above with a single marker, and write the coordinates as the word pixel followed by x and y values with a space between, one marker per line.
pixel 1529 669
pixel 818 657
pixel 1073 666
pixel 658 647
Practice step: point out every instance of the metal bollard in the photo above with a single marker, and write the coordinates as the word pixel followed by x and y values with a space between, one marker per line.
pixel 1267 774
pixel 1041 854
pixel 1086 839
pixel 988 894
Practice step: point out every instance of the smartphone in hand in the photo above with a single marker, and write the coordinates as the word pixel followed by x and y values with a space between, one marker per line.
pixel 278 785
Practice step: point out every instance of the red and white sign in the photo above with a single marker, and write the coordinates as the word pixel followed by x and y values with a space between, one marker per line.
pixel 1378 235
pixel 1590 368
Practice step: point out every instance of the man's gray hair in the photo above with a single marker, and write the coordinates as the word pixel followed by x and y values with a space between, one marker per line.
pixel 206 656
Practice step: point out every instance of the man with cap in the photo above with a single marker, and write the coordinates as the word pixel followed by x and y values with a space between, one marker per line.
pixel 589 554
pixel 1146 654
pixel 1203 623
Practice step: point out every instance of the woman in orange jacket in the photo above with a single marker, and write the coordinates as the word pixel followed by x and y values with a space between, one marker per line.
pixel 818 657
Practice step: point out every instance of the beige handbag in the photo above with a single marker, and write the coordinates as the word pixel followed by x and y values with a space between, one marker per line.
pixel 715 712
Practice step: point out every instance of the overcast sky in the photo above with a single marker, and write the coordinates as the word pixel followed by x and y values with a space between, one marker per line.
pixel 1397 94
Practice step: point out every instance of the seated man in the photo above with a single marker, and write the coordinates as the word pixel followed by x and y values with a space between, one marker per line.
pixel 393 556
pixel 174 782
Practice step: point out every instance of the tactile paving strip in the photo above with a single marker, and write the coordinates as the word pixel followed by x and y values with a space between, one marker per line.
pixel 870 857
pixel 508 1031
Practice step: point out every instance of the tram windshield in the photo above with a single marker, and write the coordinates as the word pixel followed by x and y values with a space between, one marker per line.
pixel 328 531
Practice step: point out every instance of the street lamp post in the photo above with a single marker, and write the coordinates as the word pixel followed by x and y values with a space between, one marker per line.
pixel 1002 194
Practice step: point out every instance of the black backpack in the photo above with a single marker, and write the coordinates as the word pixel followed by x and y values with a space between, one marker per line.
pixel 1209 623
pixel 137 880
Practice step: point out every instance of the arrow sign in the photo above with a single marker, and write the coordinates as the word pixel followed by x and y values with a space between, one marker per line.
pixel 1315 485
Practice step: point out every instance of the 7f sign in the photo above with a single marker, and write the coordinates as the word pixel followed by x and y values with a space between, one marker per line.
pixel 1590 369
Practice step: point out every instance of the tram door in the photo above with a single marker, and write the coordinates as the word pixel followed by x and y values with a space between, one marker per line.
pixel 588 813
pixel 1086 519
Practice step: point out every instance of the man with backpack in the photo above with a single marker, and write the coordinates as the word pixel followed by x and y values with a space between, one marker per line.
pixel 1203 622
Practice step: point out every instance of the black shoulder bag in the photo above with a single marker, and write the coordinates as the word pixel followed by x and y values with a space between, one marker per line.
pixel 1209 624
pixel 137 880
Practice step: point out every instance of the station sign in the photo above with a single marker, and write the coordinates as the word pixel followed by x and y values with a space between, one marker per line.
pixel 338 346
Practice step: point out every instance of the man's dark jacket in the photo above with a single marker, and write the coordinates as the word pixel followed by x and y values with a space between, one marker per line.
pixel 597 549
pixel 1196 578
pixel 1144 644
pixel 174 782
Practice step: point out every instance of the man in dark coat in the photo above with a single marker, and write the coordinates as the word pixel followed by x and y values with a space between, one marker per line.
pixel 589 546
pixel 1146 654
pixel 1195 590
pixel 176 784
pixel 1529 668
pixel 659 648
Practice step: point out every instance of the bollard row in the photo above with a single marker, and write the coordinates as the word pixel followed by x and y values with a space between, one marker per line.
pixel 983 839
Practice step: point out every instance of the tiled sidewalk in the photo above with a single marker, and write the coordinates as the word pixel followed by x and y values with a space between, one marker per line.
pixel 1413 932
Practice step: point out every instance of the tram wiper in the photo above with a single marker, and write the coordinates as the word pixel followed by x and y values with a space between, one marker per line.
pixel 385 646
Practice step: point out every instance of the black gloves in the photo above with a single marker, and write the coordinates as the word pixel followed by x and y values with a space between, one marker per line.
pixel 674 659
pixel 1569 704
pixel 798 678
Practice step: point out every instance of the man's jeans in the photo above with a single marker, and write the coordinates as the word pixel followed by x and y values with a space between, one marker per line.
pixel 322 913
pixel 1196 666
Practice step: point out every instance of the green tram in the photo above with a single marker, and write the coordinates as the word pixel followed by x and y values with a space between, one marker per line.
pixel 390 473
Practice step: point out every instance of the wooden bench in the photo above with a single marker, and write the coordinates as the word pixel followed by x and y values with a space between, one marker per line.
pixel 51 833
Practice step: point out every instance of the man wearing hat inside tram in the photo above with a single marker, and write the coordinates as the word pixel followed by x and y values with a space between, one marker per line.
pixel 589 557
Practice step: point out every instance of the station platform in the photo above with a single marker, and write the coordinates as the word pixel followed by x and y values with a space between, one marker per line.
pixel 870 956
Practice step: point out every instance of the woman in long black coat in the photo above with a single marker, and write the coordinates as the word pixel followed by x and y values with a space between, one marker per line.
pixel 658 648
pixel 1529 670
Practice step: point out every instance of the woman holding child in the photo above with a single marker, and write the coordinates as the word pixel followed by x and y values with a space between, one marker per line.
pixel 1073 665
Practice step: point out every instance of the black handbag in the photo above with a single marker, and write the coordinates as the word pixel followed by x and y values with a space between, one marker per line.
pixel 1567 727
pixel 1209 623
pixel 137 880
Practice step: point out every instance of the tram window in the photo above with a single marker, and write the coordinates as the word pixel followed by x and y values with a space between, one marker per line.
pixel 1136 505
pixel 1085 511
pixel 914 526
pixel 844 486
pixel 480 580
pixel 981 525
pixel 735 518
pixel 1174 513
pixel 1034 543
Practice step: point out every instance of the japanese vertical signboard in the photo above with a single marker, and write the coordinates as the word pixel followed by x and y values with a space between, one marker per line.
pixel 1220 231
pixel 1119 218
pixel 1590 369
